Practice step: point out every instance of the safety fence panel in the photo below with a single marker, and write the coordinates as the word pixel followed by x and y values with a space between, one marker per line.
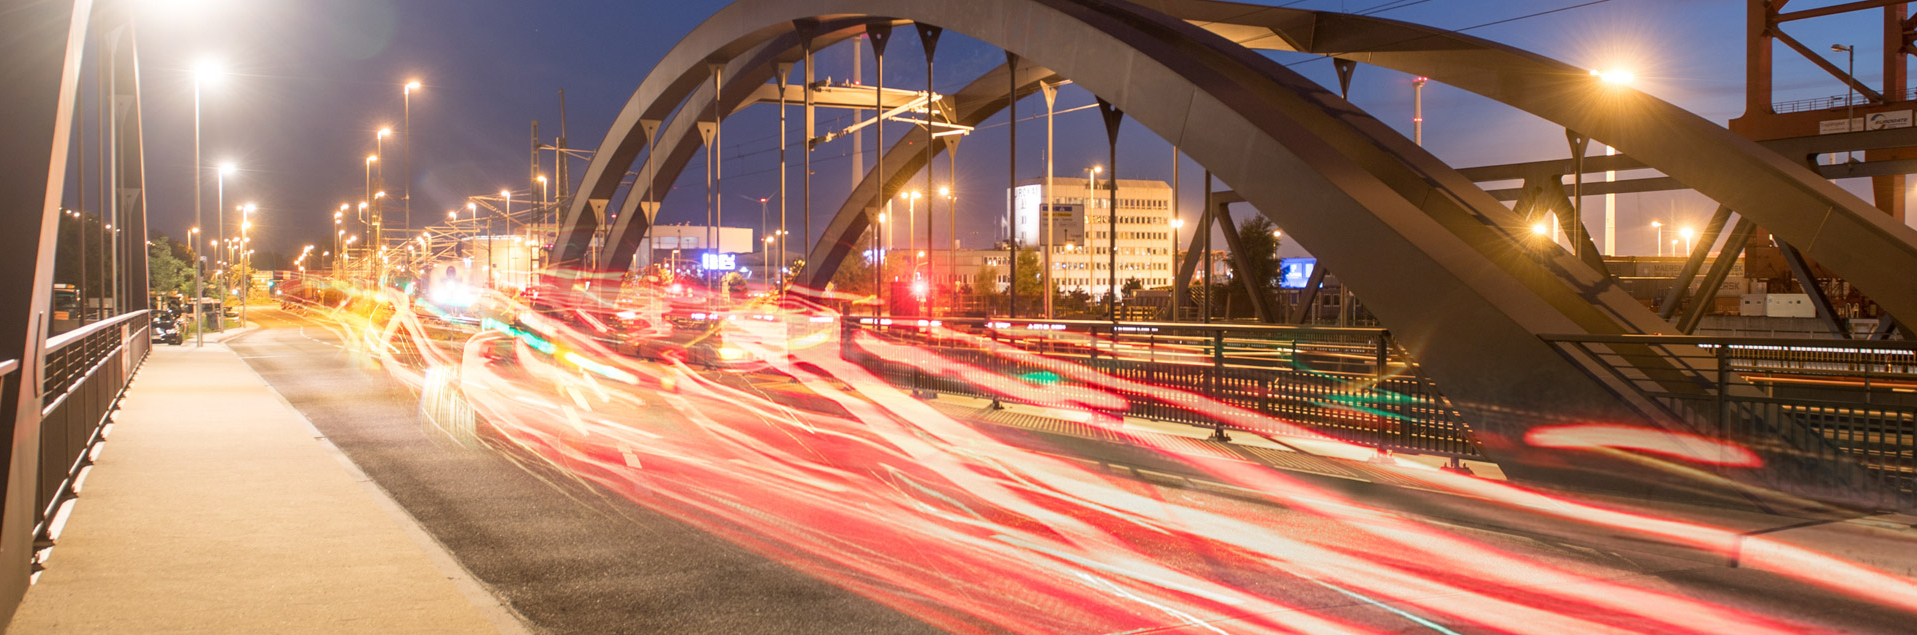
pixel 87 371
pixel 1354 385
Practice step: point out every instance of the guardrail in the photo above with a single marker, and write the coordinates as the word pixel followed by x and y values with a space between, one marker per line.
pixel 1354 384
pixel 1834 102
pixel 87 370
pixel 1833 419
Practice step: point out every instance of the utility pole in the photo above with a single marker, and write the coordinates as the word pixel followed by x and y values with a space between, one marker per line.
pixel 1045 199
pixel 1417 109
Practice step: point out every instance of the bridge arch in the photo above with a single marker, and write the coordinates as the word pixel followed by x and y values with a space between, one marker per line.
pixel 1440 262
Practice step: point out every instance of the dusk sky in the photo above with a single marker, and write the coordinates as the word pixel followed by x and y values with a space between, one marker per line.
pixel 307 84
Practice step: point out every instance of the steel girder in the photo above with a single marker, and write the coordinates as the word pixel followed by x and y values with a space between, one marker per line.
pixel 40 66
pixel 972 105
pixel 1437 259
pixel 1832 226
pixel 677 139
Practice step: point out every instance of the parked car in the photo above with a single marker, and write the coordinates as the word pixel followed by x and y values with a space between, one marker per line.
pixel 167 330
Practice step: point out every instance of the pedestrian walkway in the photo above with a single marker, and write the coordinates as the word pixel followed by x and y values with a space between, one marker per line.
pixel 215 507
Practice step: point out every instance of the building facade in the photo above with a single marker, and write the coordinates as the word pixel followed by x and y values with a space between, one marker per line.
pixel 1080 240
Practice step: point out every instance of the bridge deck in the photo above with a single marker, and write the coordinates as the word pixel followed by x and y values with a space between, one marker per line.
pixel 216 507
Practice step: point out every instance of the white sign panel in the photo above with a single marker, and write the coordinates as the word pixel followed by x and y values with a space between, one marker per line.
pixel 1872 121
pixel 1887 120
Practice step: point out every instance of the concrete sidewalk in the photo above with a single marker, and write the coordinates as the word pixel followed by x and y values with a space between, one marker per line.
pixel 215 507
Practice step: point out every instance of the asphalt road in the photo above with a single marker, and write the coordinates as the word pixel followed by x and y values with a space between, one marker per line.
pixel 572 558
pixel 567 559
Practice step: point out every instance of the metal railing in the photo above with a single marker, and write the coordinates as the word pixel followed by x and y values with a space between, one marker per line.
pixel 1832 419
pixel 1353 384
pixel 1834 102
pixel 87 370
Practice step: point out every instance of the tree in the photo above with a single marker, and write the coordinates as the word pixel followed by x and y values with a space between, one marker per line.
pixel 167 272
pixel 854 275
pixel 1258 240
pixel 985 282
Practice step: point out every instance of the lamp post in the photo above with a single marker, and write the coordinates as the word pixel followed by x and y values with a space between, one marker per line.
pixel 246 225
pixel 1850 87
pixel 1085 219
pixel 219 203
pixel 204 72
pixel 1176 224
pixel 491 260
pixel 951 215
pixel 1688 234
pixel 370 160
pixel 1660 236
pixel 912 221
pixel 406 209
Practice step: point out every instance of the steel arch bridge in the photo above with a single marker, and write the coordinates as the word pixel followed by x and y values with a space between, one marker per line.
pixel 58 391
pixel 1440 261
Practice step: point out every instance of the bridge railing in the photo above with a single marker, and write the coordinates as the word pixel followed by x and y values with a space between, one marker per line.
pixel 87 370
pixel 1353 384
pixel 1832 419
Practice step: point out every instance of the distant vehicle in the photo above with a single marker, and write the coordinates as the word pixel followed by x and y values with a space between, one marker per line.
pixel 167 330
pixel 231 311
pixel 66 308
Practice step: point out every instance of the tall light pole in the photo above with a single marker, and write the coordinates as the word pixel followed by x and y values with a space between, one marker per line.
pixel 1417 109
pixel 204 72
pixel 491 260
pixel 1050 91
pixel 1176 224
pixel 339 218
pixel 1660 236
pixel 406 210
pixel 1688 234
pixel 220 204
pixel 765 233
pixel 911 221
pixel 1085 219
pixel 377 237
pixel 1850 89
pixel 951 213
pixel 246 224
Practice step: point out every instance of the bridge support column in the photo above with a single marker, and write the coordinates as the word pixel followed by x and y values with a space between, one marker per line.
pixel 1011 183
pixel 41 68
pixel 1113 118
pixel 1739 238
pixel 879 33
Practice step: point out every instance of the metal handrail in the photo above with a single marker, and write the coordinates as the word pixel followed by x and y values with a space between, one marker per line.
pixel 1106 324
pixel 7 367
pixel 60 341
pixel 1737 342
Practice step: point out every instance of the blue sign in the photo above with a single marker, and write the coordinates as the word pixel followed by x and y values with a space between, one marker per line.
pixel 719 262
pixel 1295 273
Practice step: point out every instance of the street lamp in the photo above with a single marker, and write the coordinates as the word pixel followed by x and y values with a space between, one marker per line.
pixel 1660 236
pixel 1688 234
pixel 1091 199
pixel 219 200
pixel 1616 77
pixel 1850 85
pixel 206 71
pixel 951 219
pixel 508 213
pixel 406 217
pixel 1176 224
pixel 370 160
pixel 911 221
